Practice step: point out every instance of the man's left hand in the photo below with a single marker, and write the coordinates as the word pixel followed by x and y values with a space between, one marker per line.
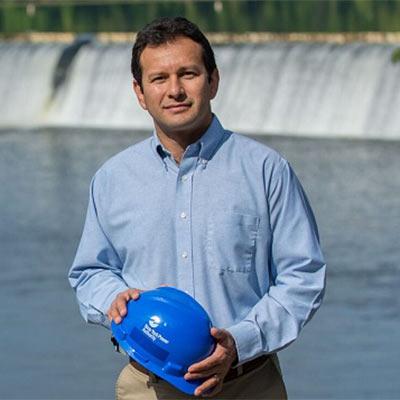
pixel 216 366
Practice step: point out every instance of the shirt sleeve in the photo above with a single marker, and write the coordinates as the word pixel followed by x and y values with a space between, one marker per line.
pixel 95 274
pixel 297 271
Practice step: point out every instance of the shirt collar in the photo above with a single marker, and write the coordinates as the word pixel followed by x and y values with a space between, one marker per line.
pixel 206 145
pixel 210 140
pixel 160 149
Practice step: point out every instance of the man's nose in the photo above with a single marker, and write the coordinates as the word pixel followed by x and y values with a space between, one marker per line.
pixel 176 90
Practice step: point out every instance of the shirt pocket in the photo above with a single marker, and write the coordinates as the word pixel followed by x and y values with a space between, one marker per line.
pixel 231 241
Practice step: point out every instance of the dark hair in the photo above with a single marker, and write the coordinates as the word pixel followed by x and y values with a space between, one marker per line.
pixel 167 29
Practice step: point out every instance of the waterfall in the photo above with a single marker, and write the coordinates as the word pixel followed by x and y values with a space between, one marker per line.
pixel 26 72
pixel 311 89
pixel 287 88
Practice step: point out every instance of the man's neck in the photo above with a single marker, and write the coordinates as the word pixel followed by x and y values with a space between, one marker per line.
pixel 177 142
pixel 175 147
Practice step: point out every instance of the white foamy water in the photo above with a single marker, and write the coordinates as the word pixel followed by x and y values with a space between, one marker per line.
pixel 306 89
pixel 26 72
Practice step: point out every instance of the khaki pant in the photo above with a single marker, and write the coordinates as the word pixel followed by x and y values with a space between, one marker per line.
pixel 264 382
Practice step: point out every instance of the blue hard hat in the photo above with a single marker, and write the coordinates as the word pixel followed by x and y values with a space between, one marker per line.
pixel 166 331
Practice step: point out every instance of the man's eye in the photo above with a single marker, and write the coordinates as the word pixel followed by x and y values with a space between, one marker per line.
pixel 189 74
pixel 158 79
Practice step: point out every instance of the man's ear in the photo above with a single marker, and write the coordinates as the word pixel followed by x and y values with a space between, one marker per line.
pixel 214 82
pixel 139 94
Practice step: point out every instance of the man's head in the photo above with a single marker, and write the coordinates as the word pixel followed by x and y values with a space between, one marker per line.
pixel 175 78
pixel 164 30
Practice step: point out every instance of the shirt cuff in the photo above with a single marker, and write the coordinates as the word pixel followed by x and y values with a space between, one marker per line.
pixel 98 318
pixel 247 340
pixel 98 314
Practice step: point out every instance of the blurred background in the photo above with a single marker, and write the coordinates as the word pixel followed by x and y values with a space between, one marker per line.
pixel 319 81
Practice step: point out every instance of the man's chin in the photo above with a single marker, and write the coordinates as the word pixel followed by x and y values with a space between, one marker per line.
pixel 179 124
pixel 184 123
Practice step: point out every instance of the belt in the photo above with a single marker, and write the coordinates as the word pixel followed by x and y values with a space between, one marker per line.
pixel 245 368
pixel 233 373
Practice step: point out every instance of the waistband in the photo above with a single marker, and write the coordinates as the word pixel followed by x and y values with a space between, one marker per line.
pixel 245 368
pixel 233 373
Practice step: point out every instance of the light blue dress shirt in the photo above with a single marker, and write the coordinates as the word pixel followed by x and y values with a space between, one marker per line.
pixel 230 225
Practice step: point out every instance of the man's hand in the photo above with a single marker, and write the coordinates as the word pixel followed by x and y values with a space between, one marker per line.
pixel 216 366
pixel 118 310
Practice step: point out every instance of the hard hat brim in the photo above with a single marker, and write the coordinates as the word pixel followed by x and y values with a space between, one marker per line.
pixel 181 383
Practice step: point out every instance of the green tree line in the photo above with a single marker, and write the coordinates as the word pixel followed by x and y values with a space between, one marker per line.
pixel 212 16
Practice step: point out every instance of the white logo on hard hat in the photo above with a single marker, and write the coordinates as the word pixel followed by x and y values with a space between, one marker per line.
pixel 154 321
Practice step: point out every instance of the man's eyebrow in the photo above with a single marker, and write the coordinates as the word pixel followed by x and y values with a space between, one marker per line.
pixel 180 69
pixel 191 66
pixel 156 73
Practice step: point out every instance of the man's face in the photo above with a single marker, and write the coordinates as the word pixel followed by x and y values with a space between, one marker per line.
pixel 176 89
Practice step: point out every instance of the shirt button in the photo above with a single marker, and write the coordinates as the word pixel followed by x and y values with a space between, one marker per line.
pixel 183 215
pixel 184 178
pixel 184 255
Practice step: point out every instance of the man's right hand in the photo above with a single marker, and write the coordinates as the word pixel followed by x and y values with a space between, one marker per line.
pixel 118 309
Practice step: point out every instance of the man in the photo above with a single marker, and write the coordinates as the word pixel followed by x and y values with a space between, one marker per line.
pixel 208 211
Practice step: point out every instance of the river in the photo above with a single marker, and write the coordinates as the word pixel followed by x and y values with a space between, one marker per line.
pixel 348 351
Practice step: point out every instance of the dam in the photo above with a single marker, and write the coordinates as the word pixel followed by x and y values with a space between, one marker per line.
pixel 331 109
pixel 277 88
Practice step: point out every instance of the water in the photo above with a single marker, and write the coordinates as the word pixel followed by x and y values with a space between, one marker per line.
pixel 349 351
pixel 313 89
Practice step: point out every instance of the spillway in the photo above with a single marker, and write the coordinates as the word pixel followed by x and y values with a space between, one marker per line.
pixel 283 88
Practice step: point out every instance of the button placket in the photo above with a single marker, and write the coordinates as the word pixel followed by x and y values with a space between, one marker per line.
pixel 183 224
pixel 183 220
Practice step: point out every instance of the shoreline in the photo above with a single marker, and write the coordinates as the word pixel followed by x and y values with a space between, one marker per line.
pixel 217 38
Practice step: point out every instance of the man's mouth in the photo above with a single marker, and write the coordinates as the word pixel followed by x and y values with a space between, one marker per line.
pixel 178 107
